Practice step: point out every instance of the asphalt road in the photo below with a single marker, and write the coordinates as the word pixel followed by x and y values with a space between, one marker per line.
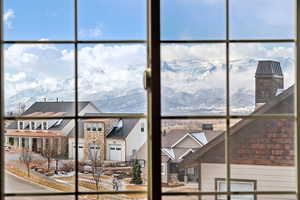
pixel 15 185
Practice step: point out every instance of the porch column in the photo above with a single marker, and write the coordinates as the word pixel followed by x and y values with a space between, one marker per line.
pixel 59 145
pixel 185 176
pixel 51 145
pixel 16 141
pixel 44 144
pixel 27 143
pixel 20 142
pixel 6 140
pixel 30 143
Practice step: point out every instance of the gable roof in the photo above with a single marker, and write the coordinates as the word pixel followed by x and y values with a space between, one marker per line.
pixel 123 128
pixel 194 138
pixel 264 109
pixel 68 107
pixel 59 109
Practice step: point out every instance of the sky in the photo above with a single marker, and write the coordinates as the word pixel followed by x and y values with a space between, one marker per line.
pixel 109 69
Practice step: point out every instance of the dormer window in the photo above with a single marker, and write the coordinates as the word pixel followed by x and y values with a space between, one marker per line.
pixel 21 125
pixel 45 126
pixel 32 125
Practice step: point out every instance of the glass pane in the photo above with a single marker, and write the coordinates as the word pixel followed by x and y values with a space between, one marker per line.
pixel 114 157
pixel 61 197
pixel 112 20
pixel 38 20
pixel 262 77
pixel 262 19
pixel 36 157
pixel 39 80
pixel 190 19
pixel 180 197
pixel 111 77
pixel 193 79
pixel 271 197
pixel 262 154
pixel 112 197
pixel 187 164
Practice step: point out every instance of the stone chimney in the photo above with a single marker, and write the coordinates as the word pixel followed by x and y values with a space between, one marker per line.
pixel 268 79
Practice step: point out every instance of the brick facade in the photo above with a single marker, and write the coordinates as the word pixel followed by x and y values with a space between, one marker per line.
pixel 260 141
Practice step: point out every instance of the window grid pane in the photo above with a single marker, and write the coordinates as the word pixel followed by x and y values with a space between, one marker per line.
pixel 76 42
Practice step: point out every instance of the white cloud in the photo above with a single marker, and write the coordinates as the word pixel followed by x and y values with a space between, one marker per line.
pixel 48 70
pixel 8 16
pixel 92 33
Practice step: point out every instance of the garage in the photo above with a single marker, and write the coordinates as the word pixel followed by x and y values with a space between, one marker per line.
pixel 115 152
pixel 80 151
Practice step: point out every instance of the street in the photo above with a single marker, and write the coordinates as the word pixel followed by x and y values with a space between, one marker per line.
pixel 15 185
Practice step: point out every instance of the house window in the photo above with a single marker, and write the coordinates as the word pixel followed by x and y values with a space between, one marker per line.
pixel 207 127
pixel 21 125
pixel 94 127
pixel 32 125
pixel 88 127
pixel 190 171
pixel 45 126
pixel 99 127
pixel 142 127
pixel 236 186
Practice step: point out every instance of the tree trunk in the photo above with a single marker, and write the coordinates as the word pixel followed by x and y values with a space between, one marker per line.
pixel 28 171
pixel 48 164
pixel 56 167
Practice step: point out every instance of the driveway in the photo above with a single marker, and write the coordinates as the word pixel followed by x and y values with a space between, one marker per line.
pixel 15 185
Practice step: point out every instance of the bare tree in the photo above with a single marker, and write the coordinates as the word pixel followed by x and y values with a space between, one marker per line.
pixel 49 153
pixel 26 158
pixel 95 157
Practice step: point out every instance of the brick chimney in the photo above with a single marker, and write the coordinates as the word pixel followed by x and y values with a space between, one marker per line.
pixel 268 79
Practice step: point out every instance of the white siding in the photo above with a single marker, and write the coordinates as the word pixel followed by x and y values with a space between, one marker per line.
pixel 136 138
pixel 88 109
pixel 71 142
pixel 116 141
pixel 269 178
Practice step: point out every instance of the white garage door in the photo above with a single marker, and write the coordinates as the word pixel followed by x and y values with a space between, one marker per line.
pixel 115 152
pixel 80 151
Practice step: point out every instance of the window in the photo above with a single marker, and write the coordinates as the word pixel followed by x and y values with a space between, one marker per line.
pixel 191 171
pixel 32 125
pixel 142 127
pixel 88 127
pixel 237 185
pixel 207 127
pixel 45 125
pixel 202 58
pixel 94 127
pixel 21 125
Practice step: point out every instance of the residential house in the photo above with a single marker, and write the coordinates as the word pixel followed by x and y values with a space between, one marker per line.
pixel 261 150
pixel 125 139
pixel 44 134
pixel 176 144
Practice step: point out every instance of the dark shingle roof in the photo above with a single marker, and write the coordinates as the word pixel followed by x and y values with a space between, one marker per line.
pixel 268 68
pixel 67 107
pixel 124 130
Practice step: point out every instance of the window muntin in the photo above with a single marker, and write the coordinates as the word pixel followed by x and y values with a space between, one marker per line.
pixel 228 41
pixel 237 185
